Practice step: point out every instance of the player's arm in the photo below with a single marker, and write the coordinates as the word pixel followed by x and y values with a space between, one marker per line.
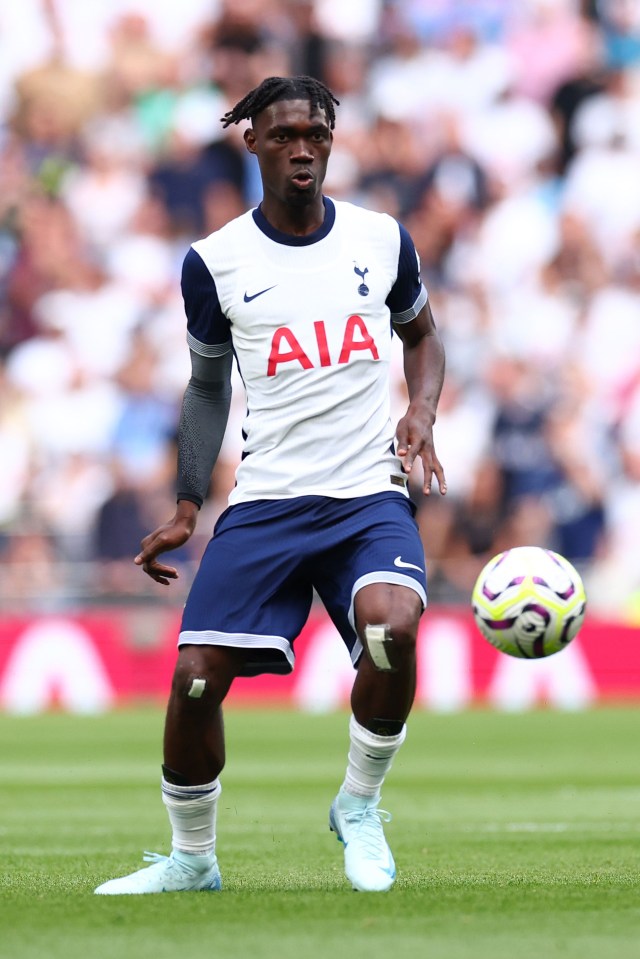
pixel 424 364
pixel 203 417
pixel 203 420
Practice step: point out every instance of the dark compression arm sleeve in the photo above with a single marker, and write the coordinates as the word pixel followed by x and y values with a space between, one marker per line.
pixel 203 420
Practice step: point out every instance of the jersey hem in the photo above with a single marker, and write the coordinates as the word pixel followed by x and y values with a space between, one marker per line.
pixel 236 498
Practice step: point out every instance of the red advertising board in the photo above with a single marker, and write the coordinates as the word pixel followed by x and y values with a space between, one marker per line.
pixel 97 660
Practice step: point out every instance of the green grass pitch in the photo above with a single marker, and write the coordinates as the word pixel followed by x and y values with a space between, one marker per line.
pixel 514 835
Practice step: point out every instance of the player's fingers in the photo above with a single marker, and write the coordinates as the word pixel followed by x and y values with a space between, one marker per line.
pixel 403 444
pixel 152 545
pixel 147 545
pixel 146 555
pixel 159 573
pixel 407 456
pixel 432 466
pixel 439 471
pixel 406 449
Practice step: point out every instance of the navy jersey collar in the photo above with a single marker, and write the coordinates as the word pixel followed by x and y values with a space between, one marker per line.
pixel 287 238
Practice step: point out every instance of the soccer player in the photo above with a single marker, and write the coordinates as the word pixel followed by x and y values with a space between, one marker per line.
pixel 305 292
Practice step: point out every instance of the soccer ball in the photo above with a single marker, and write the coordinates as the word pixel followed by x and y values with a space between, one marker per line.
pixel 529 602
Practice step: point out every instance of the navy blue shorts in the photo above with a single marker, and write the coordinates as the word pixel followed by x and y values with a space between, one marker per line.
pixel 255 584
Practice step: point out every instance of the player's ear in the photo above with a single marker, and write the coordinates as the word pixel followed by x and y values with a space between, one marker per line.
pixel 250 140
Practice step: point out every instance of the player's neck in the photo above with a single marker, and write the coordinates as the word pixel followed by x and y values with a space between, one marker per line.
pixel 297 221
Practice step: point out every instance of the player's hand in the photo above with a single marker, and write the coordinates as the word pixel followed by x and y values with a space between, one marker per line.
pixel 169 536
pixel 415 439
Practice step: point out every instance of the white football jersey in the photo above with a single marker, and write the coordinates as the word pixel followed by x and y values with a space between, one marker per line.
pixel 309 320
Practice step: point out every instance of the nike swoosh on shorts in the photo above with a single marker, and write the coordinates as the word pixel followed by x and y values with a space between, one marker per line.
pixel 402 565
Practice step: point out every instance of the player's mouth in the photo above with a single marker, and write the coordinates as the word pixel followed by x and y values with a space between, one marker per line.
pixel 303 178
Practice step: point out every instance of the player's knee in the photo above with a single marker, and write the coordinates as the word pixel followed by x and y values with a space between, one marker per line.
pixel 190 679
pixel 391 646
pixel 387 617
pixel 403 631
pixel 202 673
pixel 401 622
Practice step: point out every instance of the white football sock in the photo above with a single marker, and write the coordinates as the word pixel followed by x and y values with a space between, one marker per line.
pixel 369 760
pixel 192 814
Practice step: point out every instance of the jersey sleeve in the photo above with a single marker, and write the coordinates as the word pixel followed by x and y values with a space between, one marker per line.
pixel 408 294
pixel 208 331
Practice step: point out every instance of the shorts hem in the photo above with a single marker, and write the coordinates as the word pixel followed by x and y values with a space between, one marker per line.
pixel 280 664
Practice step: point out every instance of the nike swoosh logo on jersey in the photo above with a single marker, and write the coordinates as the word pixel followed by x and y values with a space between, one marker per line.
pixel 247 298
pixel 402 565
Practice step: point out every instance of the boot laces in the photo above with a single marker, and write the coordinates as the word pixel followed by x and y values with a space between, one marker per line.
pixel 367 826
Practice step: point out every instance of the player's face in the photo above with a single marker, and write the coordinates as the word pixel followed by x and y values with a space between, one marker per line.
pixel 293 146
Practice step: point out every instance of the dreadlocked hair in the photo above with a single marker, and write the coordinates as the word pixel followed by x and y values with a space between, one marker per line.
pixel 283 88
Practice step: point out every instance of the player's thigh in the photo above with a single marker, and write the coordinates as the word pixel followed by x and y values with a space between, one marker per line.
pixel 248 582
pixel 378 573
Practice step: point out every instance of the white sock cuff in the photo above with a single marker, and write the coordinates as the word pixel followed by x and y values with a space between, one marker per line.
pixel 207 792
pixel 386 744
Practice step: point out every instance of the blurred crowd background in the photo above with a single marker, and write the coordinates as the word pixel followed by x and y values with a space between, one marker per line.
pixel 505 136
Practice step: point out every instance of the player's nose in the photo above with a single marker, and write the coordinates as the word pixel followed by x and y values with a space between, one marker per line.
pixel 300 152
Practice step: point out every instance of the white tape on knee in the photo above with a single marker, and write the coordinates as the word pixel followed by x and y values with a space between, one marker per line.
pixel 197 688
pixel 377 639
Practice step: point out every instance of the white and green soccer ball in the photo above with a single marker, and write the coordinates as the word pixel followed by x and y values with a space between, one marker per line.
pixel 529 602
